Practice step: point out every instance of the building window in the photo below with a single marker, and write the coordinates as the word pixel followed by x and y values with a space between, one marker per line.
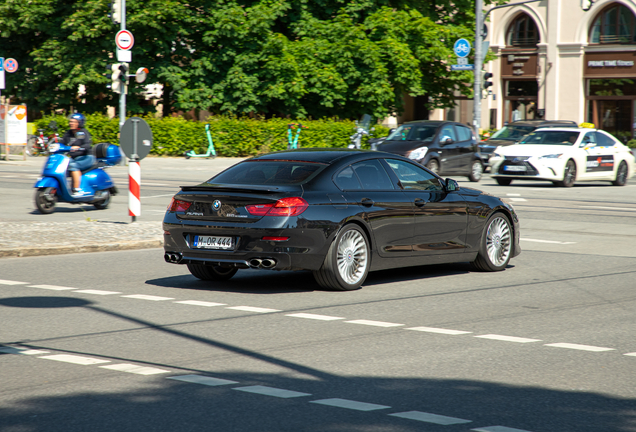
pixel 614 25
pixel 523 32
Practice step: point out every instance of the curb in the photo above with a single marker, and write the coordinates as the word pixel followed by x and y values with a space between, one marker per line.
pixel 45 251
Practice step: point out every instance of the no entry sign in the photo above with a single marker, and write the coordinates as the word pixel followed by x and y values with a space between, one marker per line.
pixel 124 40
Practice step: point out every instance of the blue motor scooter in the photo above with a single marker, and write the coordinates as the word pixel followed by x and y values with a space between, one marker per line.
pixel 54 185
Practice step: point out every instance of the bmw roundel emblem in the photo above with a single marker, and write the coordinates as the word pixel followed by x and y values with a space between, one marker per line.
pixel 216 205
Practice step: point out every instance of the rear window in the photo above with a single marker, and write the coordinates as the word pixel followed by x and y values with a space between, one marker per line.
pixel 269 173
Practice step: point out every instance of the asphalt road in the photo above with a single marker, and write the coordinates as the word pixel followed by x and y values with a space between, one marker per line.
pixel 123 341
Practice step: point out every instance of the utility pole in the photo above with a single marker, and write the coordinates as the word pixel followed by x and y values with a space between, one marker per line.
pixel 124 89
pixel 479 24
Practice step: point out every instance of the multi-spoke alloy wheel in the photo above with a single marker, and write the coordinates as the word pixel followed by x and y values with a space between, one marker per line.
pixel 347 262
pixel 496 244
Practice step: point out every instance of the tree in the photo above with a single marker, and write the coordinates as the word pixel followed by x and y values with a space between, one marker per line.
pixel 313 58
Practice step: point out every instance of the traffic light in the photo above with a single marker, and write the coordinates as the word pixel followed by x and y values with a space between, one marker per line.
pixel 116 78
pixel 115 14
pixel 487 76
pixel 123 73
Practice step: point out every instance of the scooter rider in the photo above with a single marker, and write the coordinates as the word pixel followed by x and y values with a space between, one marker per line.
pixel 82 158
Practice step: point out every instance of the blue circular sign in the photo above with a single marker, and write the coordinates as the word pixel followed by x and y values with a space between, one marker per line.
pixel 462 47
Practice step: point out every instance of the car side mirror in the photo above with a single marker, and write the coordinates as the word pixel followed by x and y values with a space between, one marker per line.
pixel 447 141
pixel 451 185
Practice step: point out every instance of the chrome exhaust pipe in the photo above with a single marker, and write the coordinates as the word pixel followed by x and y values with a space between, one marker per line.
pixel 171 257
pixel 255 263
pixel 268 262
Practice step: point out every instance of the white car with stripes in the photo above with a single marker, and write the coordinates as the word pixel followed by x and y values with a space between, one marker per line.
pixel 564 156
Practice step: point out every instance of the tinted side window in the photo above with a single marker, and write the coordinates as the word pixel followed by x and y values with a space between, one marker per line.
pixel 464 133
pixel 347 180
pixel 603 140
pixel 589 138
pixel 413 177
pixel 372 175
pixel 447 131
pixel 424 133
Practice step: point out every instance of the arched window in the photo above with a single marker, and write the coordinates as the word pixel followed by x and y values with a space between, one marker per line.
pixel 523 32
pixel 614 25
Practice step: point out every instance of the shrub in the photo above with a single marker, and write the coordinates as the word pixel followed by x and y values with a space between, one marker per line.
pixel 232 137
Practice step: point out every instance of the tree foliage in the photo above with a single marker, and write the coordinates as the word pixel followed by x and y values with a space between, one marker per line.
pixel 307 58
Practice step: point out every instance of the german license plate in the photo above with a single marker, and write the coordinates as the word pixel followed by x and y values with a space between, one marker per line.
pixel 515 168
pixel 213 242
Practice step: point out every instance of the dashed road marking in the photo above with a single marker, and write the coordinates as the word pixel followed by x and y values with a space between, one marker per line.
pixel 350 404
pixel 271 391
pixel 438 330
pixel 547 241
pixel 374 323
pixel 580 347
pixel 147 297
pixel 131 368
pixel 97 292
pixel 23 351
pixel 200 379
pixel 200 303
pixel 631 354
pixel 253 309
pixel 52 287
pixel 8 282
pixel 498 429
pixel 315 317
pixel 67 358
pixel 508 338
pixel 430 418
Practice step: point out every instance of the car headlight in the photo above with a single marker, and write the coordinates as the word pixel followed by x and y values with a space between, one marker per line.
pixel 418 153
pixel 551 156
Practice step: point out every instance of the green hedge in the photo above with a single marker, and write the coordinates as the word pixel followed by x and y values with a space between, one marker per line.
pixel 232 137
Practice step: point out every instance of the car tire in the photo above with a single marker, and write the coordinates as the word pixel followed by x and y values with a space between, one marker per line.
pixel 569 175
pixel 621 175
pixel 476 171
pixel 503 181
pixel 433 165
pixel 211 273
pixel 495 245
pixel 45 200
pixel 347 262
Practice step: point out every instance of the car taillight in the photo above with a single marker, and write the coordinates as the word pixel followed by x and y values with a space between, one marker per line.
pixel 292 206
pixel 178 205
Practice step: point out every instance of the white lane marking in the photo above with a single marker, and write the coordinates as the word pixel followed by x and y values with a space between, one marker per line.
pixel 97 292
pixel 350 404
pixel 518 199
pixel 315 317
pixel 200 379
pixel 131 368
pixel 580 347
pixel 253 309
pixel 23 351
pixel 438 330
pixel 508 338
pixel 52 287
pixel 271 391
pixel 547 241
pixel 498 429
pixel 513 194
pixel 610 208
pixel 153 184
pixel 147 297
pixel 374 323
pixel 631 354
pixel 200 303
pixel 8 282
pixel 430 418
pixel 75 359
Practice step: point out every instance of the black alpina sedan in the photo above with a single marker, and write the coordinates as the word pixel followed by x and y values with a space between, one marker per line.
pixel 338 213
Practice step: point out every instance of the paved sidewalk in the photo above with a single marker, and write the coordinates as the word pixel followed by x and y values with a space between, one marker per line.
pixel 22 239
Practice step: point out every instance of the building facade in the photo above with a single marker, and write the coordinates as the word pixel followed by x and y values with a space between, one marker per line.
pixel 559 62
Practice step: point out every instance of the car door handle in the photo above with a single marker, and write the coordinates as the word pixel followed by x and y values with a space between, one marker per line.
pixel 419 202
pixel 367 202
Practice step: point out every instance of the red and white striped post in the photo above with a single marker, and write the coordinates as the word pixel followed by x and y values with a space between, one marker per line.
pixel 134 182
